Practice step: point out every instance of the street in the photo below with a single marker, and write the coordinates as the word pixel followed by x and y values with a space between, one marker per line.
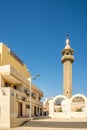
pixel 53 124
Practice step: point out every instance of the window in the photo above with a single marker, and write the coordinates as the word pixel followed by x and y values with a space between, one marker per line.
pixel 39 98
pixel 15 87
pixel 27 106
pixel 7 84
pixel 67 53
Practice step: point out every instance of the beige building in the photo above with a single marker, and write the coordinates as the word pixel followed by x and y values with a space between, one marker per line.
pixel 46 107
pixel 67 105
pixel 15 90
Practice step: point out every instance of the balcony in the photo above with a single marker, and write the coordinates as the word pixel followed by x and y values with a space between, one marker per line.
pixel 11 74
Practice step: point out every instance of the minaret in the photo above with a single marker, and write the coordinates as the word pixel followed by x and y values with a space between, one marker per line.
pixel 67 60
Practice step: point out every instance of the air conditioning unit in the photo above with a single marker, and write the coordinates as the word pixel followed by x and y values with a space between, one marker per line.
pixel 23 98
pixel 17 96
pixel 25 90
pixel 33 95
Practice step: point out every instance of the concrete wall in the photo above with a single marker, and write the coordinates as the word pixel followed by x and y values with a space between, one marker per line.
pixel 8 58
pixel 5 107
pixel 69 107
pixel 66 115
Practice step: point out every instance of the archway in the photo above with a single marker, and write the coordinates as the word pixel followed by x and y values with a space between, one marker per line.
pixel 78 103
pixel 57 102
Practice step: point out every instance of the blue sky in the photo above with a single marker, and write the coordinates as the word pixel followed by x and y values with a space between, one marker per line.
pixel 36 31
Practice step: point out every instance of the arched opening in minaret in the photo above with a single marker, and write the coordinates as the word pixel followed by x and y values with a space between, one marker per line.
pixel 67 53
pixel 78 103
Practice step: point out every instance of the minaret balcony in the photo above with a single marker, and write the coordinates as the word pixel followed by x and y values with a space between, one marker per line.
pixel 67 58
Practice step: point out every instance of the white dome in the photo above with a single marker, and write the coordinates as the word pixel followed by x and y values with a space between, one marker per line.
pixel 67 44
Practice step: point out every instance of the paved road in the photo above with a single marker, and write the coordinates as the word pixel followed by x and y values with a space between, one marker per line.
pixel 53 124
pixel 56 124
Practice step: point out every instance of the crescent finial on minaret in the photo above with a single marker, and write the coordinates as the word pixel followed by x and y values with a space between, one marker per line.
pixel 67 36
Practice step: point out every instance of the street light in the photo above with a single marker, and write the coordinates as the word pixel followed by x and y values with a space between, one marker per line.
pixel 30 79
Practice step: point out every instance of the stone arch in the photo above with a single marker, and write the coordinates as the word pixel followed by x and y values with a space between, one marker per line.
pixel 78 103
pixel 81 95
pixel 57 102
pixel 59 96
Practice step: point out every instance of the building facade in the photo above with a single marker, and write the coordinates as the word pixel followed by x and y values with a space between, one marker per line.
pixel 15 90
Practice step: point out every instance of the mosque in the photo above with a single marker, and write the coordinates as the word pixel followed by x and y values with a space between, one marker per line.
pixel 68 105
